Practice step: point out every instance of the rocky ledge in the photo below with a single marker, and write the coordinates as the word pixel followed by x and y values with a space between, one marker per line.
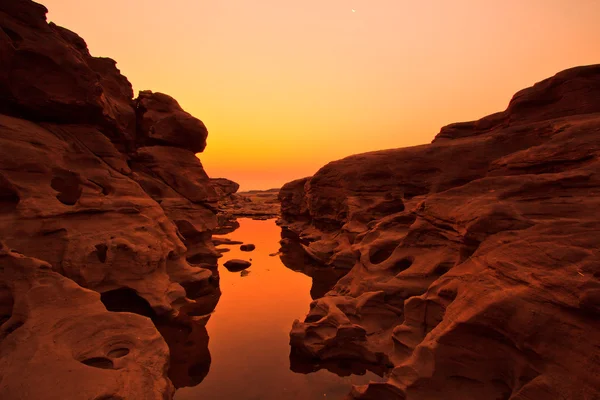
pixel 103 206
pixel 474 260
pixel 255 204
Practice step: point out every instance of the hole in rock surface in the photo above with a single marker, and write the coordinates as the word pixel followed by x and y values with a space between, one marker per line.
pixel 126 300
pixel 101 250
pixel 9 198
pixel 118 353
pixel 443 268
pixel 67 184
pixel 14 37
pixel 402 265
pixel 6 303
pixel 248 332
pixel 382 253
pixel 99 362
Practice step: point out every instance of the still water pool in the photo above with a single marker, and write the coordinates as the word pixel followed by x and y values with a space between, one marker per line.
pixel 249 329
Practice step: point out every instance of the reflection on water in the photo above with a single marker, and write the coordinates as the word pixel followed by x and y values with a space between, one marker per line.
pixel 249 330
pixel 188 345
pixel 295 258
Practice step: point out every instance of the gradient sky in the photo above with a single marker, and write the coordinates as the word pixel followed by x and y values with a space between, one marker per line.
pixel 286 86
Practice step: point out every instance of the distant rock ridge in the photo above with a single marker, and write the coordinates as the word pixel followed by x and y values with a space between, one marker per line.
pixel 474 261
pixel 103 200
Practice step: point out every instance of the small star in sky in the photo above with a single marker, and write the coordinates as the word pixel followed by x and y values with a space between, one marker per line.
pixel 353 10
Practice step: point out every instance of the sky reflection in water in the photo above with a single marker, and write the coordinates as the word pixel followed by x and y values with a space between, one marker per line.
pixel 249 330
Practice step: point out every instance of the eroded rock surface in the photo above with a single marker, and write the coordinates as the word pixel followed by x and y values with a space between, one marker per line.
pixel 474 260
pixel 108 194
pixel 58 341
pixel 255 204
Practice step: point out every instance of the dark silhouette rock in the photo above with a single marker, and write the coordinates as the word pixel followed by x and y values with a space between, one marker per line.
pixel 474 260
pixel 236 265
pixel 247 247
pixel 161 121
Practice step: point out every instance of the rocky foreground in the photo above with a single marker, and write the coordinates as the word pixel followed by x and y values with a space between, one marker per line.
pixel 474 261
pixel 103 206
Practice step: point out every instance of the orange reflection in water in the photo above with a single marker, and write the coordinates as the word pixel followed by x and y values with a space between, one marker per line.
pixel 249 330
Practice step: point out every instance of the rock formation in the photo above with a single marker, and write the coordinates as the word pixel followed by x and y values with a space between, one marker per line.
pixel 474 260
pixel 108 203
pixel 236 265
pixel 255 204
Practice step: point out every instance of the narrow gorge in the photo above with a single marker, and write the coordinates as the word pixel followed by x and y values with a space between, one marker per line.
pixel 467 268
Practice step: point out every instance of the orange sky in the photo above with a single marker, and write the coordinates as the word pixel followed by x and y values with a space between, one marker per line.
pixel 286 86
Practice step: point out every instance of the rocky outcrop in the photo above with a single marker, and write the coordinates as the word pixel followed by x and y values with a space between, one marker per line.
pixel 161 121
pixel 255 204
pixel 474 260
pixel 47 74
pixel 56 331
pixel 106 196
pixel 224 187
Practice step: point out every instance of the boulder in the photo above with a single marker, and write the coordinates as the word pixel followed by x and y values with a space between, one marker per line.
pixel 163 122
pixel 224 187
pixel 236 265
pixel 247 247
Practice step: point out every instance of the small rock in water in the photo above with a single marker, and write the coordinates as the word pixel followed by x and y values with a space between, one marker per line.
pixel 247 247
pixel 244 273
pixel 236 265
pixel 274 254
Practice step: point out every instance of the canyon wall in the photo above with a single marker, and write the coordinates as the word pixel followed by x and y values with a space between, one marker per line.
pixel 474 260
pixel 103 205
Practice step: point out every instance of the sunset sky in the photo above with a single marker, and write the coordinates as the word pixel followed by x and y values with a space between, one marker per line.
pixel 286 86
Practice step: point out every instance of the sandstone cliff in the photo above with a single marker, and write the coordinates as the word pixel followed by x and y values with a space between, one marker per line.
pixel 102 200
pixel 474 260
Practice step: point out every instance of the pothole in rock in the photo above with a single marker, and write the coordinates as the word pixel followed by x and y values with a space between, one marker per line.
pixel 14 37
pixel 101 251
pixel 99 362
pixel 382 253
pixel 126 300
pixel 6 304
pixel 402 265
pixel 118 353
pixel 9 198
pixel 67 184
pixel 443 268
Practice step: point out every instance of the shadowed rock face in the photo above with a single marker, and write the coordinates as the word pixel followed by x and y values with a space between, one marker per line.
pixel 162 121
pixel 106 193
pixel 474 259
pixel 56 329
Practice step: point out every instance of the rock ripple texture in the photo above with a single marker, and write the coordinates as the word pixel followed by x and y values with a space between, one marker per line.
pixel 475 265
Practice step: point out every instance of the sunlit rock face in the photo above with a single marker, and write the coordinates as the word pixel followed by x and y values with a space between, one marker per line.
pixel 475 262
pixel 107 194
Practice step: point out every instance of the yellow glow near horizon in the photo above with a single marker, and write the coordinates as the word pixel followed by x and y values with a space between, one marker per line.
pixel 285 87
